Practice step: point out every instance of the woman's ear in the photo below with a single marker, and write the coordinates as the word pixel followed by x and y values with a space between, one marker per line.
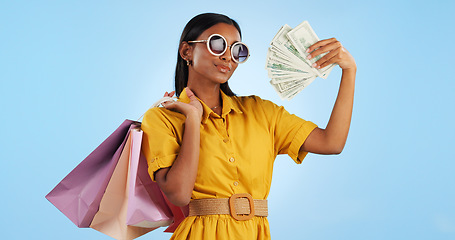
pixel 185 51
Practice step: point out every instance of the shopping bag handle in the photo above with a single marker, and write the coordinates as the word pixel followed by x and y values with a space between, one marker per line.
pixel 158 103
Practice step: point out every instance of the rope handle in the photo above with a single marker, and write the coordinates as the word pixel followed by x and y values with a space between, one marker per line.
pixel 159 102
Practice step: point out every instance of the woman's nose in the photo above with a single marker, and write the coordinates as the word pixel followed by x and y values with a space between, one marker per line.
pixel 227 54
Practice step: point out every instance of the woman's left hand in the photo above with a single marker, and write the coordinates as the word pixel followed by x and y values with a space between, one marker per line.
pixel 336 53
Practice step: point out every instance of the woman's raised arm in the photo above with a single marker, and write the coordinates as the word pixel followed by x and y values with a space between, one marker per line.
pixel 332 139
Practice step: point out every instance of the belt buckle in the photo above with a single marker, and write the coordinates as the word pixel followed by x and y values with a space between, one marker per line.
pixel 232 206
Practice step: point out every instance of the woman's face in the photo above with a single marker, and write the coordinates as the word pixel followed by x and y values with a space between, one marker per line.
pixel 215 69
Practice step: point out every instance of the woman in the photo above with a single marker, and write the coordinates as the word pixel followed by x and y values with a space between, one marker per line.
pixel 214 150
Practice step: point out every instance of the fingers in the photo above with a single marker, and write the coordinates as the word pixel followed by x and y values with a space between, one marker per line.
pixel 171 94
pixel 333 50
pixel 329 58
pixel 320 44
pixel 333 59
pixel 170 105
pixel 192 109
pixel 329 46
pixel 184 108
pixel 191 95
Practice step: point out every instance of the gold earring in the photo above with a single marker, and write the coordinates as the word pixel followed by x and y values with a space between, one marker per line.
pixel 187 62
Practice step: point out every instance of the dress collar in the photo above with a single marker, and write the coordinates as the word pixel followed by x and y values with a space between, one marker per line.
pixel 229 103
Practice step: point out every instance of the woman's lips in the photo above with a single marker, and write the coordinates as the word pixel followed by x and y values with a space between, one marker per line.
pixel 223 68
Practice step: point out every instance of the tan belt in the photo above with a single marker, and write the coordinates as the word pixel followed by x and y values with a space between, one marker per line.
pixel 240 206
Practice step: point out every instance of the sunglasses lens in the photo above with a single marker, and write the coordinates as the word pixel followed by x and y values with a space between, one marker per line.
pixel 217 44
pixel 240 52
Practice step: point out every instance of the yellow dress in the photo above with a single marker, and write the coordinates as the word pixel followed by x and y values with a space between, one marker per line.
pixel 237 153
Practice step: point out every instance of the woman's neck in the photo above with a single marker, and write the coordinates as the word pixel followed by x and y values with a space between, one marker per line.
pixel 209 94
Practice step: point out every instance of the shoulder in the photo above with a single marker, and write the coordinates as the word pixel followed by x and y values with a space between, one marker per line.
pixel 259 109
pixel 161 115
pixel 254 102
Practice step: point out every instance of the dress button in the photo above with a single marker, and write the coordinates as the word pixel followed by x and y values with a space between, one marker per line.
pixel 236 183
pixel 231 159
pixel 226 140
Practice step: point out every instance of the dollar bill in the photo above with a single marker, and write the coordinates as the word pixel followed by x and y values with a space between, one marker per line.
pixel 287 93
pixel 282 42
pixel 274 57
pixel 302 37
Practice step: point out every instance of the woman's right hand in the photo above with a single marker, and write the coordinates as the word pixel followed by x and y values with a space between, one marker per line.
pixel 192 109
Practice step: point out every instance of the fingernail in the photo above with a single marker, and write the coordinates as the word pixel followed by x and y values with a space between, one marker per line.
pixel 314 65
pixel 308 57
pixel 307 50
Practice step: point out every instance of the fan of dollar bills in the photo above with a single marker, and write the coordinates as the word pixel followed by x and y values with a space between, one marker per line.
pixel 287 64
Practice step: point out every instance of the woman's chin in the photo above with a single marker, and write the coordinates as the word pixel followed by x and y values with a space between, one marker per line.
pixel 223 78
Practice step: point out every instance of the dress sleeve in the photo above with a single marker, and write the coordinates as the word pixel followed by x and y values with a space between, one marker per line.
pixel 290 131
pixel 160 144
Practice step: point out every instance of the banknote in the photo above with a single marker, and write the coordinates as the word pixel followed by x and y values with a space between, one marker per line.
pixel 289 93
pixel 287 66
pixel 282 42
pixel 302 37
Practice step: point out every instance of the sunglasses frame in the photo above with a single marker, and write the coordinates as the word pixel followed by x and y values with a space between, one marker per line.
pixel 225 49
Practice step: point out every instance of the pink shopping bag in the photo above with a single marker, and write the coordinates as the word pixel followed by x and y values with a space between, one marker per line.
pixel 79 194
pixel 146 204
pixel 111 217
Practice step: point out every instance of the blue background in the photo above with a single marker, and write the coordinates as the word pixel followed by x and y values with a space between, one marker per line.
pixel 72 71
